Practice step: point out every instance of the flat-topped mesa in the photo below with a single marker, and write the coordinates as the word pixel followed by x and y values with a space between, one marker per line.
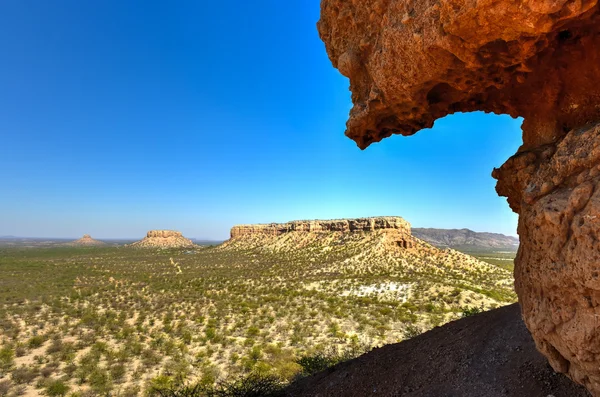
pixel 163 233
pixel 163 239
pixel 335 225
pixel 411 62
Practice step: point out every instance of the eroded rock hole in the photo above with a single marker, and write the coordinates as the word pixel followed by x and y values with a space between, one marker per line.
pixel 443 93
pixel 564 35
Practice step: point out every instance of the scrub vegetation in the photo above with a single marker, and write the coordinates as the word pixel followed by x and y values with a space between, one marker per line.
pixel 247 315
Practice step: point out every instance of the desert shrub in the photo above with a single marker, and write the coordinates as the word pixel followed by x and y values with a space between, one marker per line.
pixel 36 341
pixel 412 331
pixel 100 381
pixel 160 386
pixel 253 332
pixel 55 347
pixel 150 358
pixel 329 357
pixel 7 356
pixel 471 311
pixel 56 388
pixel 186 336
pixel 211 333
pixel 24 375
pixel 252 385
pixel 317 362
pixel 210 373
pixel 5 386
pixel 20 350
pixel 118 372
pixel 47 371
pixel 130 391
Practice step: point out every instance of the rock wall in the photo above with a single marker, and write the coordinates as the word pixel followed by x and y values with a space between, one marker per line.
pixel 557 275
pixel 337 225
pixel 412 61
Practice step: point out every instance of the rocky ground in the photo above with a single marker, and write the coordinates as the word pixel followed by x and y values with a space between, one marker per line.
pixel 490 354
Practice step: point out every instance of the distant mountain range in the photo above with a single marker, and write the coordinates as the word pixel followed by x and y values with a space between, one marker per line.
pixel 465 239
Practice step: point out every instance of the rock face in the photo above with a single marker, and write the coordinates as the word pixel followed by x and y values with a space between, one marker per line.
pixel 163 239
pixel 337 225
pixel 86 241
pixel 411 62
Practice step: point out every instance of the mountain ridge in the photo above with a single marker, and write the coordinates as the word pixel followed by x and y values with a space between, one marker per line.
pixel 466 239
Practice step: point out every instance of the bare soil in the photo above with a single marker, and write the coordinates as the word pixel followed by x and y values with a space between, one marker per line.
pixel 490 354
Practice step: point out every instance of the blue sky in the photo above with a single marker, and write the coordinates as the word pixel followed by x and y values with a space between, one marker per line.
pixel 117 117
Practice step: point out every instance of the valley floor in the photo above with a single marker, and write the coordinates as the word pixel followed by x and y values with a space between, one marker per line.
pixel 124 321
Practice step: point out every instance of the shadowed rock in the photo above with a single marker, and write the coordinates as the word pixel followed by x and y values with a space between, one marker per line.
pixel 490 354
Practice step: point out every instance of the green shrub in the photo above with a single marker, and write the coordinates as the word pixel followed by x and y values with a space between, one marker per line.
pixel 100 381
pixel 36 341
pixel 57 388
pixel 7 356
pixel 471 311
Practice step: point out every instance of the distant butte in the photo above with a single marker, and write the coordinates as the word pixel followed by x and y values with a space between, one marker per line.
pixel 163 239
pixel 86 241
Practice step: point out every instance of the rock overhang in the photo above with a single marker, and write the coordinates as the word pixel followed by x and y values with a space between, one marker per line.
pixel 411 62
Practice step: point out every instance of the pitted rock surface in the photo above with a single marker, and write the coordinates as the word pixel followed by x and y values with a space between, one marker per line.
pixel 557 276
pixel 336 225
pixel 163 239
pixel 411 62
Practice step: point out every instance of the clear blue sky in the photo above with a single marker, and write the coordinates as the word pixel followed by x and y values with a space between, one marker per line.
pixel 117 117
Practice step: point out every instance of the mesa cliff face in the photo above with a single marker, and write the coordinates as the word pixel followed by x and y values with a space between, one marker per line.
pixel 410 62
pixel 337 225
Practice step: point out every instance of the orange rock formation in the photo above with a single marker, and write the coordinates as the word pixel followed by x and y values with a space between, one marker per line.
pixel 412 61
